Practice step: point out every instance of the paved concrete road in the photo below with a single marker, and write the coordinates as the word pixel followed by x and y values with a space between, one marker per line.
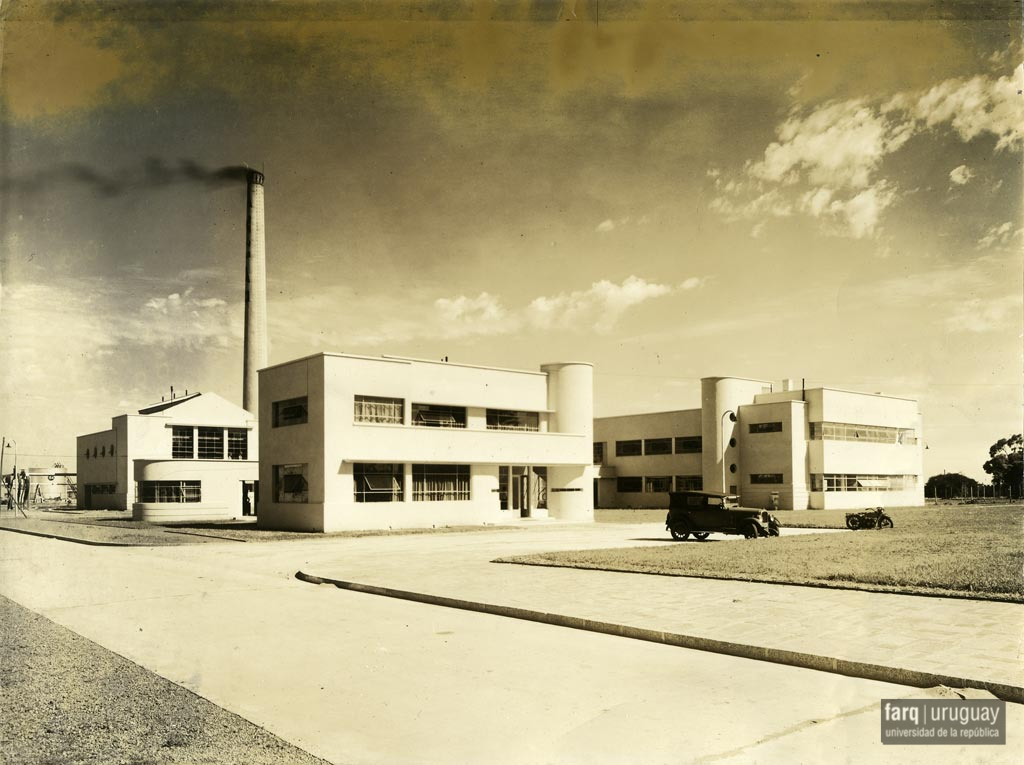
pixel 359 679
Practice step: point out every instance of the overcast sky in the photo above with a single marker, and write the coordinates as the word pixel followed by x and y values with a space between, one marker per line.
pixel 829 192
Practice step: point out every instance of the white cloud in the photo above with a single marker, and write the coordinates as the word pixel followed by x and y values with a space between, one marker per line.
pixel 979 315
pixel 182 320
pixel 975 106
pixel 997 236
pixel 859 216
pixel 605 226
pixel 692 283
pixel 597 308
pixel 827 162
pixel 837 145
pixel 481 315
pixel 961 175
pixel 381 321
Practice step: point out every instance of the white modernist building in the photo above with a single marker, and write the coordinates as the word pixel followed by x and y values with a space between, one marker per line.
pixel 356 442
pixel 789 449
pixel 192 457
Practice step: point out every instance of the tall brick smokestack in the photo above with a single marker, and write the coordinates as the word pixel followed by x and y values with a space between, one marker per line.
pixel 255 344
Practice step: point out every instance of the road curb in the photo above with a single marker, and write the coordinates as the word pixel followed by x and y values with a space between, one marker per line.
pixel 818 662
pixel 60 538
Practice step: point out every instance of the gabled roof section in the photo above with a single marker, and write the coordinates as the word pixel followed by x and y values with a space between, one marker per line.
pixel 154 408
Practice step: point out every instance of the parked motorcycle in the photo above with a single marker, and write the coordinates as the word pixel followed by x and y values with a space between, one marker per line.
pixel 870 519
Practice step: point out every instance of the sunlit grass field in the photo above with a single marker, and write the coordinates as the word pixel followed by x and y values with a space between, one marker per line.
pixel 953 550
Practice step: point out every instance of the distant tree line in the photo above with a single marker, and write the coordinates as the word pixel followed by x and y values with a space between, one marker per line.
pixel 1005 465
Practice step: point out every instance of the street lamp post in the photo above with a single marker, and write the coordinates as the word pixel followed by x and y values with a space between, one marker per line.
pixel 721 437
pixel 3 448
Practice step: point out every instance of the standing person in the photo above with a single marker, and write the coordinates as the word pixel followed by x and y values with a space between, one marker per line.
pixel 23 489
pixel 9 488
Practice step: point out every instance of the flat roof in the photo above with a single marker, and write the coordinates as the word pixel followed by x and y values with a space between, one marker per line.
pixel 411 360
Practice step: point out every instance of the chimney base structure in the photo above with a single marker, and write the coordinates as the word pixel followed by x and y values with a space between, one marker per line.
pixel 255 341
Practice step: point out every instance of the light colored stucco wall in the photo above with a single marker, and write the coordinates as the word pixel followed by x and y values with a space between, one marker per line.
pixel 221 482
pixel 331 442
pixel 789 452
pixel 608 430
pixel 721 396
pixel 148 437
pixel 782 453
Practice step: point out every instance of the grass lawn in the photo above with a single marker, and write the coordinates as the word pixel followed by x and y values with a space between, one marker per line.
pixel 972 551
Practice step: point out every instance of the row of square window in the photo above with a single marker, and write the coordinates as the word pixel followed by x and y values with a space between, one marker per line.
pixel 650 446
pixel 654 484
pixel 635 484
pixel 209 445
pixel 102 452
pixel 381 482
pixel 382 410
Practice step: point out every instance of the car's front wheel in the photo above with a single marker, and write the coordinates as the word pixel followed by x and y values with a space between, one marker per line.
pixel 750 531
pixel 700 536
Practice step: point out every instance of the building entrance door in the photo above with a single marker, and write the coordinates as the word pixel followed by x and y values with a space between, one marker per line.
pixel 248 498
pixel 521 490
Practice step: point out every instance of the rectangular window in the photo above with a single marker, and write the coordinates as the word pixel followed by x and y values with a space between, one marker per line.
pixel 378 482
pixel 599 453
pixel 291 483
pixel 292 411
pixel 170 491
pixel 654 484
pixel 629 484
pixel 766 427
pixel 102 488
pixel 657 446
pixel 181 443
pixel 629 448
pixel 689 483
pixel 503 473
pixel 850 482
pixel 211 443
pixel 440 483
pixel 379 409
pixel 437 416
pixel 766 477
pixel 238 444
pixel 689 445
pixel 507 419
pixel 877 434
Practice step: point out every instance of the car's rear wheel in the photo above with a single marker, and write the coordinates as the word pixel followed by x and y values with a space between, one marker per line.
pixel 679 533
pixel 885 523
pixel 750 531
pixel 700 536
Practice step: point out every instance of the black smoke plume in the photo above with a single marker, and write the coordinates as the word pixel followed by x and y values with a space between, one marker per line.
pixel 154 173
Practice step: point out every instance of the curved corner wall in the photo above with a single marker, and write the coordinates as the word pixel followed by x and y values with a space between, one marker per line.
pixel 571 405
pixel 719 397
pixel 220 488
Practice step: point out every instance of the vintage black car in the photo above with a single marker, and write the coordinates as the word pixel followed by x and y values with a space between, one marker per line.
pixel 701 512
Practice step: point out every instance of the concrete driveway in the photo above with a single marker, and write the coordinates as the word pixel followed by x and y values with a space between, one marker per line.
pixel 355 678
